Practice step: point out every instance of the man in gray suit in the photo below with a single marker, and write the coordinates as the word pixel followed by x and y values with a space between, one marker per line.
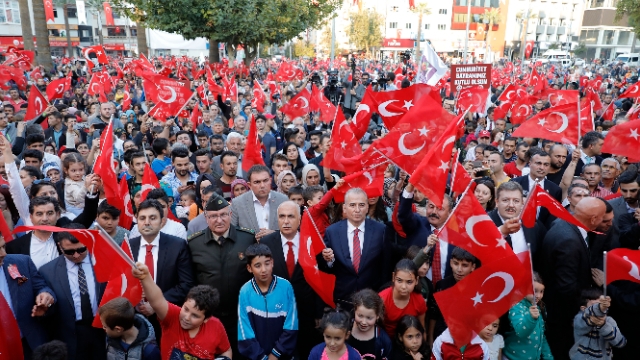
pixel 628 202
pixel 257 209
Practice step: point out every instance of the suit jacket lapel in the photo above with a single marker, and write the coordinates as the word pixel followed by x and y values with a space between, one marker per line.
pixel 251 211
pixel 63 279
pixel 368 243
pixel 135 247
pixel 279 257
pixel 273 213
pixel 162 259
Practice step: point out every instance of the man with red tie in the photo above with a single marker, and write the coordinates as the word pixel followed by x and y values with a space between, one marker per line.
pixel 284 245
pixel 354 249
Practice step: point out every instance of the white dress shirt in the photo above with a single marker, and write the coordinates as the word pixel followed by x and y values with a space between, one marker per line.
pixel 262 212
pixel 143 252
pixel 72 274
pixel 296 246
pixel 584 234
pixel 42 251
pixel 518 241
pixel 350 232
pixel 586 160
pixel 171 227
pixel 444 251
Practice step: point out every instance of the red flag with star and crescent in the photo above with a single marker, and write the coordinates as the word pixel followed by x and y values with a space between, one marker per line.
pixel 558 123
pixel 126 208
pixel 253 150
pixel 623 140
pixel 319 102
pixel 298 105
pixel 471 229
pixel 473 99
pixel 370 180
pixel 393 105
pixel 362 117
pixel 622 264
pixel 259 97
pixel 632 92
pixel 37 104
pixel 540 197
pixel 149 182
pixel 484 295
pixel 311 245
pixel 104 166
pixel 10 341
pixel 56 88
pixel 344 144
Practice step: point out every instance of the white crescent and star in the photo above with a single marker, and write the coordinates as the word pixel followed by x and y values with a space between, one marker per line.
pixel 508 287
pixel 565 123
pixel 38 102
pixel 369 177
pixel 173 95
pixel 634 273
pixel 124 284
pixel 403 149
pixel 634 133
pixel 449 140
pixel 362 107
pixel 382 109
pixel 471 223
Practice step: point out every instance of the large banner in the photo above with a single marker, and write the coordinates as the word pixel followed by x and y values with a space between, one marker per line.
pixel 431 68
pixel 471 75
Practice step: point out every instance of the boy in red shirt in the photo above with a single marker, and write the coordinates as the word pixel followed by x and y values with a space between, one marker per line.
pixel 187 332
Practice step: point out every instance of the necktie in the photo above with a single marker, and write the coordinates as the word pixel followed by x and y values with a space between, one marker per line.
pixel 85 301
pixel 436 264
pixel 291 259
pixel 148 260
pixel 356 250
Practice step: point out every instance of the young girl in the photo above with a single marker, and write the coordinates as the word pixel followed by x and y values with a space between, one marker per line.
pixel 525 338
pixel 493 340
pixel 366 336
pixel 403 297
pixel 74 167
pixel 335 327
pixel 409 340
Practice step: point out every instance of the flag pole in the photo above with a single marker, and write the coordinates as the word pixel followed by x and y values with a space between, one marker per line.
pixel 580 120
pixel 453 173
pixel 306 209
pixel 114 244
pixel 454 209
pixel 533 280
pixel 604 266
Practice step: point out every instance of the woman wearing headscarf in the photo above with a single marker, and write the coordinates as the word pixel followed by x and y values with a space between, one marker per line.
pixel 285 181
pixel 310 175
pixel 238 187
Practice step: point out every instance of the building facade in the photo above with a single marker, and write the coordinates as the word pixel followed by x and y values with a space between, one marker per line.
pixel 603 36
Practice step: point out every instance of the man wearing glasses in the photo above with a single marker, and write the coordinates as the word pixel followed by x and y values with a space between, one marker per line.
pixel 219 260
pixel 71 278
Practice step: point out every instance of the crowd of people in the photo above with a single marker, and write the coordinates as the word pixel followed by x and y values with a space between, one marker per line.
pixel 217 246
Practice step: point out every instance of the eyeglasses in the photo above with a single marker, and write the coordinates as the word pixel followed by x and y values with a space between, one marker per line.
pixel 216 217
pixel 70 252
pixel 45 180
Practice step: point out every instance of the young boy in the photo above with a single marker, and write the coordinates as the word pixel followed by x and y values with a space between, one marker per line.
pixel 187 205
pixel 161 165
pixel 129 335
pixel 594 331
pixel 296 195
pixel 268 324
pixel 189 331
pixel 462 263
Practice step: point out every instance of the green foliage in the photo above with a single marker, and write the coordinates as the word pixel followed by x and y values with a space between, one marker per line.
pixel 581 50
pixel 303 48
pixel 630 8
pixel 364 29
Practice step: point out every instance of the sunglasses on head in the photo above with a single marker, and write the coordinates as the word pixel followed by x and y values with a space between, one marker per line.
pixel 45 180
pixel 73 251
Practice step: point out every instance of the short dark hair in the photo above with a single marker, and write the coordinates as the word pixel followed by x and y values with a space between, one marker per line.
pixel 128 154
pixel 589 294
pixel 65 235
pixel 70 151
pixel 217 137
pixel 226 153
pixel 151 203
pixel 296 190
pixel 206 298
pixel 591 138
pixel 32 171
pixel 158 194
pixel 33 153
pixel 534 150
pixel 109 209
pixel 463 255
pixel 508 186
pixel 255 250
pixel 179 152
pixel 315 133
pixel 202 152
pixel 310 191
pixel 53 350
pixel 209 189
pixel 183 132
pixel 43 200
pixel 630 175
pixel 522 144
pixel 202 133
pixel 137 154
pixel 509 139
pixel 159 145
pixel 257 169
pixel 117 312
pixel 34 138
pixel 279 157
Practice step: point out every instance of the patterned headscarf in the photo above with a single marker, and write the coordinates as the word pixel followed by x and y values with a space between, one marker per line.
pixel 281 176
pixel 236 182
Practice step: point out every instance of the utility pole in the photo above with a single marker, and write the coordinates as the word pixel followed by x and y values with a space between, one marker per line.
pixel 524 35
pixel 333 38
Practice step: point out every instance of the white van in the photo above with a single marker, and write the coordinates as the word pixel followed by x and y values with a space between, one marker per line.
pixel 556 57
pixel 630 59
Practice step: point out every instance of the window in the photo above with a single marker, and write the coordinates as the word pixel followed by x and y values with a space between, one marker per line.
pixel 85 33
pixel 393 25
pixel 134 32
pixel 442 27
pixel 9 12
pixel 58 51
pixel 442 11
pixel 624 37
pixel 407 26
pixel 116 31
pixel 55 32
pixel 426 26
pixel 608 37
pixel 72 13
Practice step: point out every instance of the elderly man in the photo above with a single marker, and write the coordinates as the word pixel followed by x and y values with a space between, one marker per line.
pixel 354 248
pixel 565 267
pixel 257 209
pixel 610 171
pixel 284 245
pixel 593 173
pixel 219 260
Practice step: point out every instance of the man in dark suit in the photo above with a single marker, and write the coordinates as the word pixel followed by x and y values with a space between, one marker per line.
pixel 56 130
pixel 71 276
pixel 168 258
pixel 284 245
pixel 509 205
pixel 566 270
pixel 539 164
pixel 354 249
pixel 628 202
pixel 419 229
pixel 20 283
pixel 591 151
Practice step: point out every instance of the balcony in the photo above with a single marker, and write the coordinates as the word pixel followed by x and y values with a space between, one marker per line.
pixel 551 30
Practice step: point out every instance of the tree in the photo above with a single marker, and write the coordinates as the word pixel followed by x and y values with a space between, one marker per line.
pixel 325 41
pixel 364 29
pixel 421 9
pixel 42 35
pixel 303 48
pixel 65 6
pixel 490 17
pixel 581 50
pixel 239 22
pixel 25 22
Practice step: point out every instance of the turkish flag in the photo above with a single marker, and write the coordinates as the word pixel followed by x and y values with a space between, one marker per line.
pixel 298 105
pixel 311 245
pixel 253 150
pixel 36 74
pixel 537 81
pixel 344 144
pixel 172 103
pixel 126 101
pixel 214 88
pixel 430 177
pixel 196 118
pixel 632 92
pixel 149 182
pixel 595 84
pixel 473 99
pixel 584 80
pixel 393 105
pixel 608 112
pixel 230 89
pixel 501 111
pixel 22 59
pixel 362 118
pixel 108 14
pixel 623 140
pixel 521 109
pixel 408 142
pixel 259 98
pixel 558 123
pixel 370 180
pixel 56 88
pixel 287 72
pixel 104 166
pixel 586 118
pixel 528 49
pixel 484 295
pixel 125 285
pixel 319 102
pixel 622 264
pixel 560 97
pixel 96 84
pixel 10 341
pixel 49 11
pixel 202 94
pixel 95 55
pixel 126 209
pixel 460 178
pixel 37 104
pixel 12 73
pixel 512 92
pixel 471 229
pixel 539 197
pixel 593 97
pixel 160 88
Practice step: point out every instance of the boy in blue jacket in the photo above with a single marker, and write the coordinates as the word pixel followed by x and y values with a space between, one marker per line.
pixel 268 318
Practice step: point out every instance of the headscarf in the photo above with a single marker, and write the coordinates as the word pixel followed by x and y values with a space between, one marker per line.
pixel 236 182
pixel 281 176
pixel 388 183
pixel 306 170
pixel 129 112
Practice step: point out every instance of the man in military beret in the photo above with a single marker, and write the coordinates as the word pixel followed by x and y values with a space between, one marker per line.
pixel 219 261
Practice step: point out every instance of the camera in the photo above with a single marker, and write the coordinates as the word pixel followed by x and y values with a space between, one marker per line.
pixel 332 77
pixel 406 56
pixel 316 79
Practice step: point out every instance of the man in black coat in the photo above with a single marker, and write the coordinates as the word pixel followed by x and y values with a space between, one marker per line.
pixel 284 245
pixel 566 270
